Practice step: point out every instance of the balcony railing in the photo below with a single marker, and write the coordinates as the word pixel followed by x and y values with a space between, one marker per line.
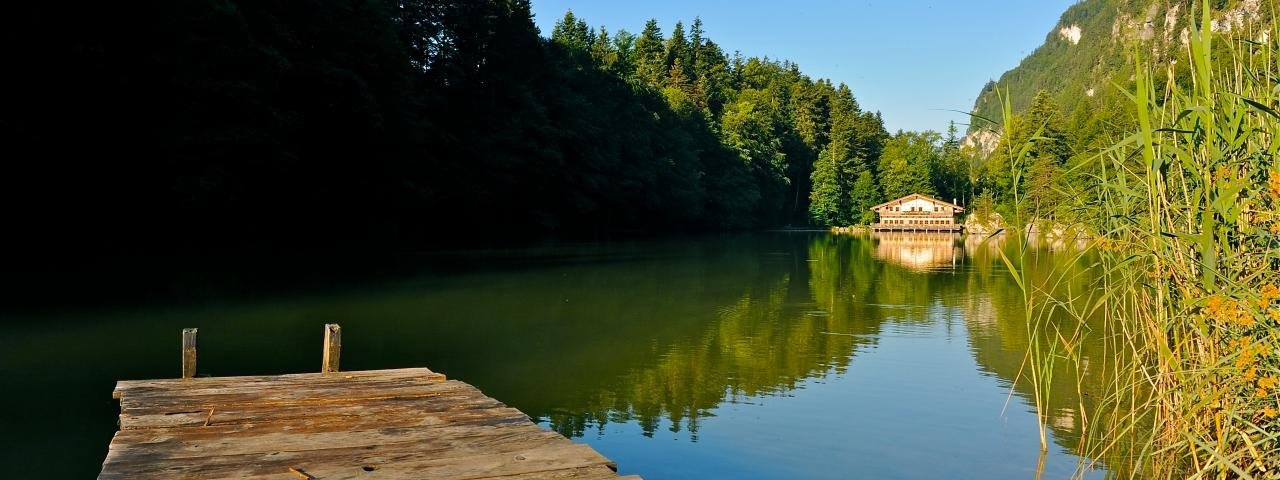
pixel 917 214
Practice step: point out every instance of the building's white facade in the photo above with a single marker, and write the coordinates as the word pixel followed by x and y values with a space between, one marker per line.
pixel 917 212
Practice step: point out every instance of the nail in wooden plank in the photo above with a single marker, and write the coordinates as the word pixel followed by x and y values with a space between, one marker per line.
pixel 189 352
pixel 332 348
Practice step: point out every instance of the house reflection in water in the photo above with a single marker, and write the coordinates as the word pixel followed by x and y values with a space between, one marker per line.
pixel 919 250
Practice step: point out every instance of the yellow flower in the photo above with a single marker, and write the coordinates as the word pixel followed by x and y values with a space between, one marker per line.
pixel 1251 374
pixel 1245 359
pixel 1269 292
pixel 1273 181
pixel 1269 412
pixel 1261 393
pixel 1275 314
pixel 1244 318
pixel 1222 173
pixel 1213 303
pixel 1267 382
pixel 1220 308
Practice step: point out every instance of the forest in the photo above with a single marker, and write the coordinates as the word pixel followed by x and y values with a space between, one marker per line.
pixel 189 125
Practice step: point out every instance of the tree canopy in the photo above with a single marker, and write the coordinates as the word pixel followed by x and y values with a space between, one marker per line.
pixel 382 123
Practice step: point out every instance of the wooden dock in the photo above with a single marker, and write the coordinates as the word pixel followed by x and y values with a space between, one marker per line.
pixel 404 423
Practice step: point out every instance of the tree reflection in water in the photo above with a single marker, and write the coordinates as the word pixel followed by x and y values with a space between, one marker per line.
pixel 811 316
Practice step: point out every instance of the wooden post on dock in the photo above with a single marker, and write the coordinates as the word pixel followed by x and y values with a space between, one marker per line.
pixel 332 348
pixel 189 352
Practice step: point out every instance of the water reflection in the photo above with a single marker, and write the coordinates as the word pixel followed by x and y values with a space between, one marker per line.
pixel 920 251
pixel 781 356
pixel 806 322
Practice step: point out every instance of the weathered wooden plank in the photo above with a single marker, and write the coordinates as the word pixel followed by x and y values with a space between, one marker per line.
pixel 229 414
pixel 542 459
pixel 354 446
pixel 266 395
pixel 520 451
pixel 277 380
pixel 206 393
pixel 301 385
pixel 585 473
pixel 561 460
pixel 320 426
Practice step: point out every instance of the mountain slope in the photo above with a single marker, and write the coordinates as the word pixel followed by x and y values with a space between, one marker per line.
pixel 1090 50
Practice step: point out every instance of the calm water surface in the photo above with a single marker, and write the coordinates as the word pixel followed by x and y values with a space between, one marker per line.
pixel 782 355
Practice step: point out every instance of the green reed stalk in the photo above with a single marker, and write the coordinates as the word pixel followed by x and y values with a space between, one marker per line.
pixel 1038 363
pixel 1188 235
pixel 1191 246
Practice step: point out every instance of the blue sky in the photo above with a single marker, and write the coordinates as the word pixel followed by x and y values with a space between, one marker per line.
pixel 908 59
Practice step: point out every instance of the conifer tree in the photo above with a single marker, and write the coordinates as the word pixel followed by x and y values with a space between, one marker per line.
pixel 603 51
pixel 572 32
pixel 624 45
pixel 696 37
pixel 650 54
pixel 677 51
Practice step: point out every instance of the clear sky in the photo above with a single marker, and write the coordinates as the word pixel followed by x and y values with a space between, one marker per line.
pixel 909 59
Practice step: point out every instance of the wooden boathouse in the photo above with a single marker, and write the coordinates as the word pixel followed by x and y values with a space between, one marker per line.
pixel 917 213
pixel 403 423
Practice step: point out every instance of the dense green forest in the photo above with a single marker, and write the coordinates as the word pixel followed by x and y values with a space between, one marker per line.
pixel 215 122
pixel 385 123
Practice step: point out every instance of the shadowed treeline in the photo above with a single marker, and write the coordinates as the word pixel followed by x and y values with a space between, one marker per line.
pixel 212 124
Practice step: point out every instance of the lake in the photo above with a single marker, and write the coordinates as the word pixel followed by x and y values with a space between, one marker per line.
pixel 770 355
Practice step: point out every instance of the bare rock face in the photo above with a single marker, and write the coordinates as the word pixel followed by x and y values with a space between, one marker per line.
pixel 1071 34
pixel 1237 18
pixel 983 141
pixel 1046 229
pixel 994 223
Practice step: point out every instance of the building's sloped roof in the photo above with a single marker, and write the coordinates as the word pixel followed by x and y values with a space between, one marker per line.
pixel 913 197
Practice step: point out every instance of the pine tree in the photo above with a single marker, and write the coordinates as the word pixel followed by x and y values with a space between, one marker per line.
pixel 624 44
pixel 677 78
pixel 572 32
pixel 696 37
pixel 603 51
pixel 677 51
pixel 650 51
pixel 714 78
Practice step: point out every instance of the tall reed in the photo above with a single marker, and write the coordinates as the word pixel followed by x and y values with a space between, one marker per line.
pixel 1189 240
pixel 1048 343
